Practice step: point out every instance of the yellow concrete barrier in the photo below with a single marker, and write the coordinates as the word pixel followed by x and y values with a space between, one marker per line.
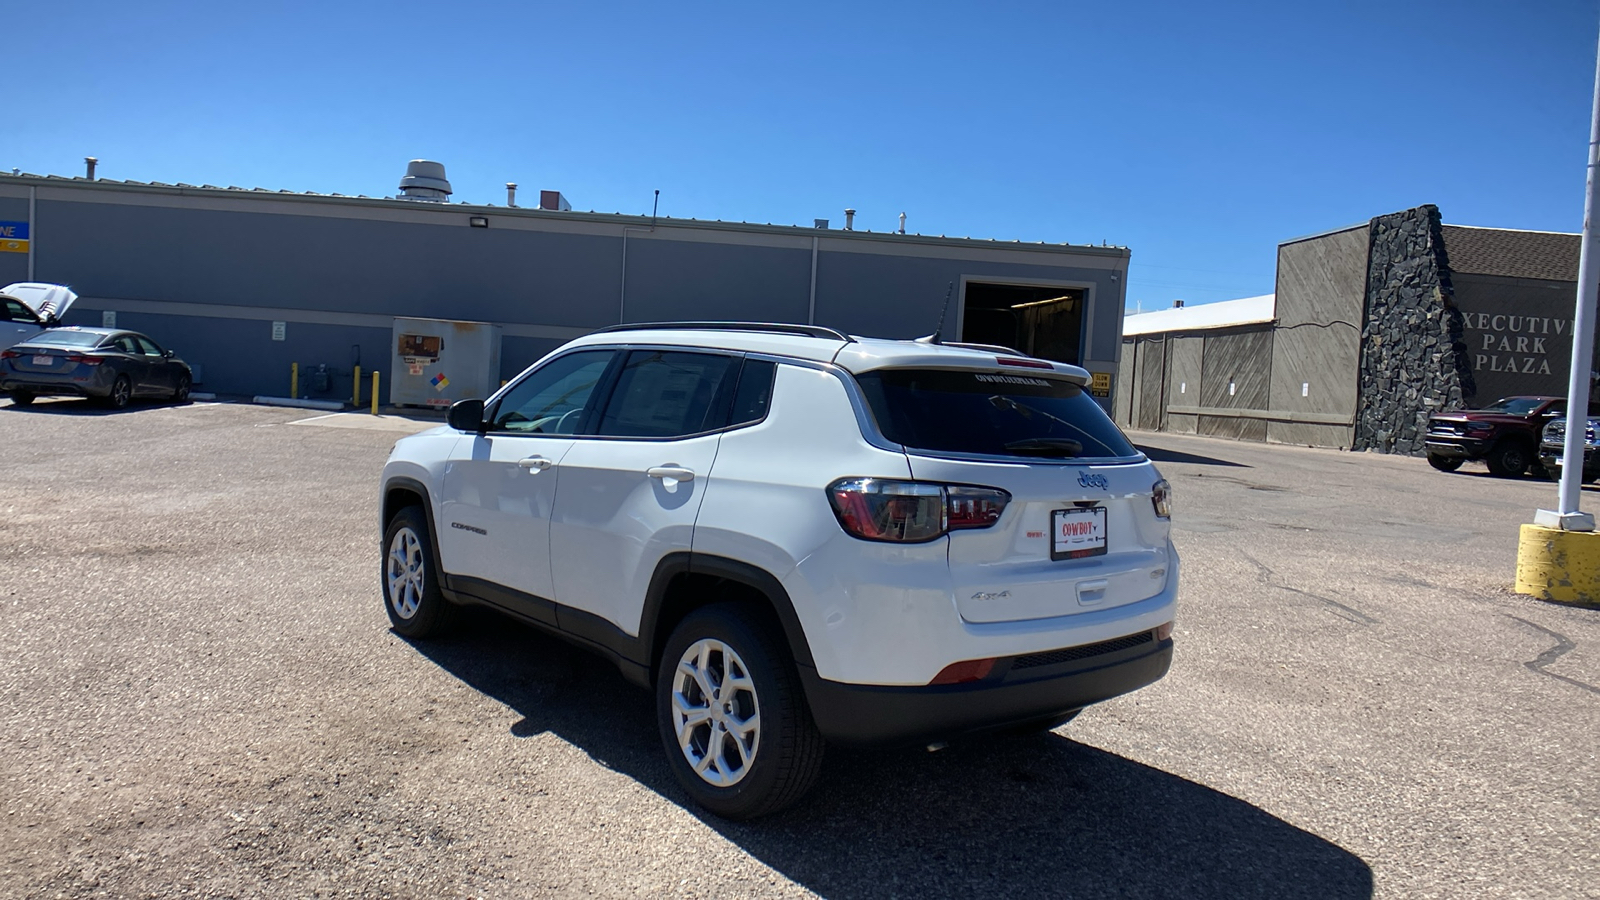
pixel 1559 565
pixel 294 380
pixel 374 391
pixel 355 397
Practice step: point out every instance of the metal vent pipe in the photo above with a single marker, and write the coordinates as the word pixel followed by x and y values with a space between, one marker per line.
pixel 849 220
pixel 90 162
pixel 511 193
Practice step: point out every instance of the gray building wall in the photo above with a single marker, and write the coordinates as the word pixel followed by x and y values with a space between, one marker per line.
pixel 1185 367
pixel 206 272
pixel 1316 351
pixel 1234 376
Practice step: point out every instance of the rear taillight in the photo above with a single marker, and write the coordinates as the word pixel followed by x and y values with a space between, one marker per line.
pixel 9 354
pixel 884 509
pixel 1161 496
pixel 973 507
pixel 83 360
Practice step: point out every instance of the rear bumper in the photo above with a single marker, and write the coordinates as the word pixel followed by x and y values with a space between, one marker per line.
pixel 877 715
pixel 95 385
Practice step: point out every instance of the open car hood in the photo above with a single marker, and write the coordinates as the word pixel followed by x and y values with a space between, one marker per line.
pixel 45 299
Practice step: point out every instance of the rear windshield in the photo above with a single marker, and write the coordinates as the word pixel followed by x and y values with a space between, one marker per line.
pixel 993 414
pixel 67 338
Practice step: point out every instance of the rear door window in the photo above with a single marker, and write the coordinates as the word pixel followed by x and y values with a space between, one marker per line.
pixel 667 394
pixel 991 414
pixel 15 311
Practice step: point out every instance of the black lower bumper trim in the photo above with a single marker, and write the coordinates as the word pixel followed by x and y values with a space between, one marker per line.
pixel 877 715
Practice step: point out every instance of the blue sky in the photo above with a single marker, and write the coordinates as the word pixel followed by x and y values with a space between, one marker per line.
pixel 1198 134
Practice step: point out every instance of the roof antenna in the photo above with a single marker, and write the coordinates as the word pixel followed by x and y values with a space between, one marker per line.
pixel 655 206
pixel 938 331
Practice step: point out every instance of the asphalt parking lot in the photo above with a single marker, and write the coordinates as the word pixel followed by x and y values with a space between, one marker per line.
pixel 202 698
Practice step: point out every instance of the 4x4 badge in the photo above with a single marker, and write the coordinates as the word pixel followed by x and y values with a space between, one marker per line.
pixel 1091 479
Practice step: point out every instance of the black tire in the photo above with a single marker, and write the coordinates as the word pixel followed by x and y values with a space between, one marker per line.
pixel 21 398
pixel 788 749
pixel 1444 463
pixel 409 578
pixel 1508 459
pixel 121 393
pixel 180 394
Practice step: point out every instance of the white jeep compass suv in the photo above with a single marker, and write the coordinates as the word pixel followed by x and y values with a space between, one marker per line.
pixel 796 537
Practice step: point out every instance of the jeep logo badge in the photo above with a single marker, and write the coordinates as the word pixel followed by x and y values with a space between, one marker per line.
pixel 1092 479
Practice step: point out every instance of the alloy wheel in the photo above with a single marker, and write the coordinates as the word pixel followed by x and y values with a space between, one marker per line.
pixel 715 712
pixel 403 573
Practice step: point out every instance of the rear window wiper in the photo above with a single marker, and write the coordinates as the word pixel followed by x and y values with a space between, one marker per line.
pixel 1062 447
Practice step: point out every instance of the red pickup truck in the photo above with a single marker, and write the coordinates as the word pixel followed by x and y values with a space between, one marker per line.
pixel 1505 434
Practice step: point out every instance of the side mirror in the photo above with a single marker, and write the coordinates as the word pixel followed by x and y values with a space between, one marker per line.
pixel 466 415
pixel 167 354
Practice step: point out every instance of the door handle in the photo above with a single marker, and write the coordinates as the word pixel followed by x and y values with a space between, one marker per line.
pixel 677 473
pixel 535 463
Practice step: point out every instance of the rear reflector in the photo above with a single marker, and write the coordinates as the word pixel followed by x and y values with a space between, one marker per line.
pixel 962 672
pixel 1163 631
pixel 1023 363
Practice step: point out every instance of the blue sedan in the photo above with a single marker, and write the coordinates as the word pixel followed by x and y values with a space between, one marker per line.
pixel 105 364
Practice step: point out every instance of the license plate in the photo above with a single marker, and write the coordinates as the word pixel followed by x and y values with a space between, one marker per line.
pixel 1076 533
pixel 42 360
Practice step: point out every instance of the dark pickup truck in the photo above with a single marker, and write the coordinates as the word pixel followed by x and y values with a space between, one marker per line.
pixel 1505 434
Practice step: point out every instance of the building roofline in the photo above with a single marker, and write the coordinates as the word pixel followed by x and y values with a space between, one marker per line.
pixel 624 219
pixel 1519 230
pixel 1308 237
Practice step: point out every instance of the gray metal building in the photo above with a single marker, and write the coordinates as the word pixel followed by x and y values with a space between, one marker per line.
pixel 1374 328
pixel 208 271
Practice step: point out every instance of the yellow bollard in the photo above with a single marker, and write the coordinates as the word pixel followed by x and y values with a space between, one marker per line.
pixel 374 391
pixel 355 382
pixel 294 379
pixel 1563 566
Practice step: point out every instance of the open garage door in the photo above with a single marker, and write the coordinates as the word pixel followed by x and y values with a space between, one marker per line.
pixel 1046 322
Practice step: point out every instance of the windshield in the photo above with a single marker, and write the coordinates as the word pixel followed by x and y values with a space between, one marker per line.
pixel 990 414
pixel 1514 406
pixel 67 338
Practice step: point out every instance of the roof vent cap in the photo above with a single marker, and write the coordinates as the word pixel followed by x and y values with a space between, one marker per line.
pixel 424 181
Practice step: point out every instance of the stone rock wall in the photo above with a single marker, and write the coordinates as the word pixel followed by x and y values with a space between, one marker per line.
pixel 1414 359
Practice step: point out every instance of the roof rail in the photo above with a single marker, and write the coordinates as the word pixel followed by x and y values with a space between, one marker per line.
pixel 816 331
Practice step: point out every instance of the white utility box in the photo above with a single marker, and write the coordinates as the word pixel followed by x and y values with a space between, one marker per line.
pixel 437 362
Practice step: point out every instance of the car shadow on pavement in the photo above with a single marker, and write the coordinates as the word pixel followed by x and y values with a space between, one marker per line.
pixel 1043 816
pixel 1161 455
pixel 77 406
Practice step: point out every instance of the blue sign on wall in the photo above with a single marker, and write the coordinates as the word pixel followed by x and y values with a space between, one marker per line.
pixel 13 237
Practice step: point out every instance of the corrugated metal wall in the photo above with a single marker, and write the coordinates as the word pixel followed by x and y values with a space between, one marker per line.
pixel 1235 373
pixel 1183 381
pixel 1290 381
